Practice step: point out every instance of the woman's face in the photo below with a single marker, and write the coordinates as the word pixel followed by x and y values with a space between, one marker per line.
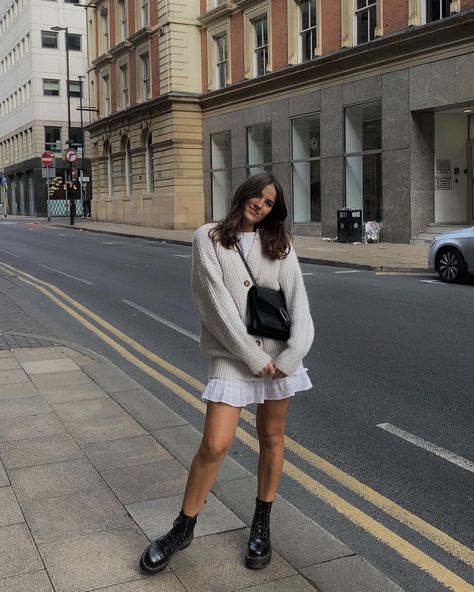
pixel 256 208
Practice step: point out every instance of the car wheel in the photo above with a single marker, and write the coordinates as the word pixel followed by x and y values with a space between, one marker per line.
pixel 450 265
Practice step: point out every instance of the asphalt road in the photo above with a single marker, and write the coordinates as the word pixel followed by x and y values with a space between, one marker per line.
pixel 390 349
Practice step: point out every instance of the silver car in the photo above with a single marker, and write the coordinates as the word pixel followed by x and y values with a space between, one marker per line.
pixel 452 255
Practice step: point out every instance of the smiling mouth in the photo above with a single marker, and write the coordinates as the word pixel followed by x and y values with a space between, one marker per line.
pixel 254 212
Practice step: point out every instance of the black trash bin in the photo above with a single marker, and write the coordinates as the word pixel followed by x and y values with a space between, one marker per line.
pixel 349 226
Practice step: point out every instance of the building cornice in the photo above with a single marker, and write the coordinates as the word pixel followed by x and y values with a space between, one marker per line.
pixel 387 51
pixel 102 60
pixel 144 110
pixel 221 11
pixel 120 48
pixel 140 35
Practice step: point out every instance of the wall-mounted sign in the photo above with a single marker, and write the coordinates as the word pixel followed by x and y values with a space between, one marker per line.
pixel 444 182
pixel 443 166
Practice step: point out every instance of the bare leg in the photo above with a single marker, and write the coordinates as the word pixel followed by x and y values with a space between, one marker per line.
pixel 219 430
pixel 271 421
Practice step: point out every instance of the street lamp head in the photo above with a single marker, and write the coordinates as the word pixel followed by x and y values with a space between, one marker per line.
pixel 56 29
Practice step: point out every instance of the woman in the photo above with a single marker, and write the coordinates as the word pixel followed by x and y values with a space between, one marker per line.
pixel 244 369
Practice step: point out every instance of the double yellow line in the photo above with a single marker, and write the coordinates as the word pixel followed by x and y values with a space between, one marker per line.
pixel 356 516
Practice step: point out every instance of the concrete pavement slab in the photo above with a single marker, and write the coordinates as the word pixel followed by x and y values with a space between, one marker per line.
pixel 94 561
pixel 6 353
pixel 3 477
pixel 17 390
pixel 33 354
pixel 88 431
pixel 10 512
pixel 61 478
pixel 79 392
pixel 296 537
pixel 9 364
pixel 110 378
pixel 18 553
pixel 13 376
pixel 215 563
pixel 163 582
pixel 146 482
pixel 39 451
pixel 183 441
pixel 52 379
pixel 349 574
pixel 74 515
pixel 155 517
pixel 126 452
pixel 23 406
pixel 147 409
pixel 293 583
pixel 37 581
pixel 26 426
pixel 88 409
pixel 48 366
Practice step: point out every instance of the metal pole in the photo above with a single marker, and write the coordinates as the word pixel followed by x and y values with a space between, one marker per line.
pixel 72 205
pixel 47 195
pixel 83 146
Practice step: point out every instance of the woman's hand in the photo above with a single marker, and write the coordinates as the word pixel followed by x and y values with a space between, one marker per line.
pixel 278 374
pixel 269 370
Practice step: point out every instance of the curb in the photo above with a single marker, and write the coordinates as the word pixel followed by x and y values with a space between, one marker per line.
pixel 307 260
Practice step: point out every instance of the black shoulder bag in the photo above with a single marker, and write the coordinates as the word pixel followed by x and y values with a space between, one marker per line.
pixel 266 310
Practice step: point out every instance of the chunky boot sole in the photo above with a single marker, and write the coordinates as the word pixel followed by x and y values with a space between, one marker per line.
pixel 159 568
pixel 258 562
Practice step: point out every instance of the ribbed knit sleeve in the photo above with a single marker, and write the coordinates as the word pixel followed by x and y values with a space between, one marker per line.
pixel 217 308
pixel 302 328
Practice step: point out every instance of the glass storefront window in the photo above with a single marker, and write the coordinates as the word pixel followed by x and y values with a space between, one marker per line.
pixel 221 174
pixel 306 152
pixel 363 147
pixel 259 148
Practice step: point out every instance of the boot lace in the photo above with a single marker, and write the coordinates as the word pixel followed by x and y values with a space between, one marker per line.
pixel 176 536
pixel 261 523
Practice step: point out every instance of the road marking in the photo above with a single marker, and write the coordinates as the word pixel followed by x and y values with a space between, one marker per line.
pixel 73 277
pixel 402 273
pixel 162 320
pixel 352 271
pixel 307 273
pixel 431 282
pixel 183 256
pixel 405 549
pixel 10 253
pixel 114 243
pixel 429 446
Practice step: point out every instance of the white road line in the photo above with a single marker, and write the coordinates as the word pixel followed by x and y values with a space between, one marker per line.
pixel 10 253
pixel 431 282
pixel 183 256
pixel 403 273
pixel 162 320
pixel 73 277
pixel 308 273
pixel 352 271
pixel 429 446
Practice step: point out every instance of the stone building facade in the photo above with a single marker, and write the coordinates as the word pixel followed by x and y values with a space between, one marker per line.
pixel 366 105
pixel 145 78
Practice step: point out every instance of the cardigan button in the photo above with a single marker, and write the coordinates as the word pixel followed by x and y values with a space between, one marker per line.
pixel 246 283
pixel 258 342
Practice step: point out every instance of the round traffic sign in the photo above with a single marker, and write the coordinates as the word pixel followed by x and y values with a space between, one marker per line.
pixel 47 159
pixel 71 155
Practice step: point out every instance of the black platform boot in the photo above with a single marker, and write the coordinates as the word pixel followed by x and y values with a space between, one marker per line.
pixel 159 553
pixel 259 548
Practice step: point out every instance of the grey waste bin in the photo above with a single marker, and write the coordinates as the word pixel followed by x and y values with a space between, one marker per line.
pixel 349 226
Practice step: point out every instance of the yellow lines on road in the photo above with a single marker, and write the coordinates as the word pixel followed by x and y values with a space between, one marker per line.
pixel 383 534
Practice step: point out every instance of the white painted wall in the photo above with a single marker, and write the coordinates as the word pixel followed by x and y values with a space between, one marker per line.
pixel 451 134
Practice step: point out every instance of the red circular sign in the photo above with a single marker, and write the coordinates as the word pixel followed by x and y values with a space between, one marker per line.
pixel 47 159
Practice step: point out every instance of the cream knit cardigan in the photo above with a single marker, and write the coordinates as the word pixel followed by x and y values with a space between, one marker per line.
pixel 220 284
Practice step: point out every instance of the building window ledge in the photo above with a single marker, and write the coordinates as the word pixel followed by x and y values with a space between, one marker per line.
pixel 102 59
pixel 221 11
pixel 120 48
pixel 141 34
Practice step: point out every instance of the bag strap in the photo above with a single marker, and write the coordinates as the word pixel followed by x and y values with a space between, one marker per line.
pixel 239 250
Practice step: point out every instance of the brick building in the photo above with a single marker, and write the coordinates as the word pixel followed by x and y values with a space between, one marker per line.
pixel 145 78
pixel 359 103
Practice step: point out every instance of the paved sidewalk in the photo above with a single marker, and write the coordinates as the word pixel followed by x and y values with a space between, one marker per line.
pixel 377 256
pixel 93 465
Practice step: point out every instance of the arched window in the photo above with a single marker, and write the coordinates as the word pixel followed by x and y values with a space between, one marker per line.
pixel 110 171
pixel 149 164
pixel 128 167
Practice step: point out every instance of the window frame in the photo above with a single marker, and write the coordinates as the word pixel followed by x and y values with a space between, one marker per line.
pixel 260 49
pixel 51 34
pixel 76 36
pixel 221 78
pixel 370 5
pixel 53 93
pixel 266 166
pixel 301 31
pixel 255 13
pixel 227 171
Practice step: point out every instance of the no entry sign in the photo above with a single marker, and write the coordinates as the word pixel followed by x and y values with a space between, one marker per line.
pixel 47 159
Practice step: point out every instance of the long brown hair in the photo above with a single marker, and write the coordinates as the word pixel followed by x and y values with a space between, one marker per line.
pixel 273 234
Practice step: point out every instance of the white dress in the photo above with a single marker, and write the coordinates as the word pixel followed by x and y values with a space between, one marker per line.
pixel 239 393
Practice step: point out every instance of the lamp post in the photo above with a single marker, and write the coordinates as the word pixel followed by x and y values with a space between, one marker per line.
pixel 83 153
pixel 72 205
